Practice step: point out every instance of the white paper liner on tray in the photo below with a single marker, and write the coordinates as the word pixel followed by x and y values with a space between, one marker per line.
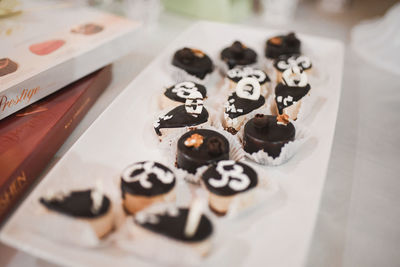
pixel 251 205
pixel 256 202
pixel 287 152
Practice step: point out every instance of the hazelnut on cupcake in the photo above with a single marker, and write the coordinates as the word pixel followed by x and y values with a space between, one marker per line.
pixel 246 99
pixel 194 63
pixel 238 55
pixel 177 94
pixel 268 133
pixel 89 206
pixel 225 180
pixel 199 148
pixel 145 183
pixel 290 92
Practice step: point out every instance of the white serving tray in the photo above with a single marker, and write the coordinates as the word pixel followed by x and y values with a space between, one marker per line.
pixel 120 136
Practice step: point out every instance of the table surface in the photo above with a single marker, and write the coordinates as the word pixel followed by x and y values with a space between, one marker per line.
pixel 359 218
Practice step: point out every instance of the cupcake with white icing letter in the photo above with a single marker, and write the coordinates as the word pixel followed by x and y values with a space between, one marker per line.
pixel 190 115
pixel 225 180
pixel 177 94
pixel 145 183
pixel 286 62
pixel 234 75
pixel 291 91
pixel 246 99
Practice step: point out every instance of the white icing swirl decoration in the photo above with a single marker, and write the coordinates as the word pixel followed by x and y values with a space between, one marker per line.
pixel 248 88
pixel 247 72
pixel 148 167
pixel 232 175
pixel 295 76
pixel 300 61
pixel 187 90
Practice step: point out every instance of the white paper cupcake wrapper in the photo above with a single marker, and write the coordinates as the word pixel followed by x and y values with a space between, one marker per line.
pixel 259 201
pixel 268 66
pixel 248 206
pixel 287 152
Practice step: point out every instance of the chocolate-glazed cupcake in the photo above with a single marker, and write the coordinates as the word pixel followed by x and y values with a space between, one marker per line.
pixel 199 148
pixel 192 114
pixel 145 183
pixel 171 222
pixel 238 55
pixel 224 180
pixel 193 61
pixel 90 206
pixel 233 76
pixel 282 45
pixel 244 100
pixel 7 66
pixel 178 94
pixel 285 62
pixel 268 133
pixel 290 92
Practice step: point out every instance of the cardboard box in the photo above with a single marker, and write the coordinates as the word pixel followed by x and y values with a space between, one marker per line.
pixel 48 46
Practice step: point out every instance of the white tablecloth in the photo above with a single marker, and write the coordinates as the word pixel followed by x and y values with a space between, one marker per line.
pixel 359 218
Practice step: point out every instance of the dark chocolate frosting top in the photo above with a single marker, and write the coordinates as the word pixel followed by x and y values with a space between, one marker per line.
pixel 172 224
pixel 238 73
pixel 147 178
pixel 286 95
pixel 282 45
pixel 237 106
pixel 228 177
pixel 77 204
pixel 266 128
pixel 238 54
pixel 213 146
pixel 193 61
pixel 179 117
pixel 184 90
